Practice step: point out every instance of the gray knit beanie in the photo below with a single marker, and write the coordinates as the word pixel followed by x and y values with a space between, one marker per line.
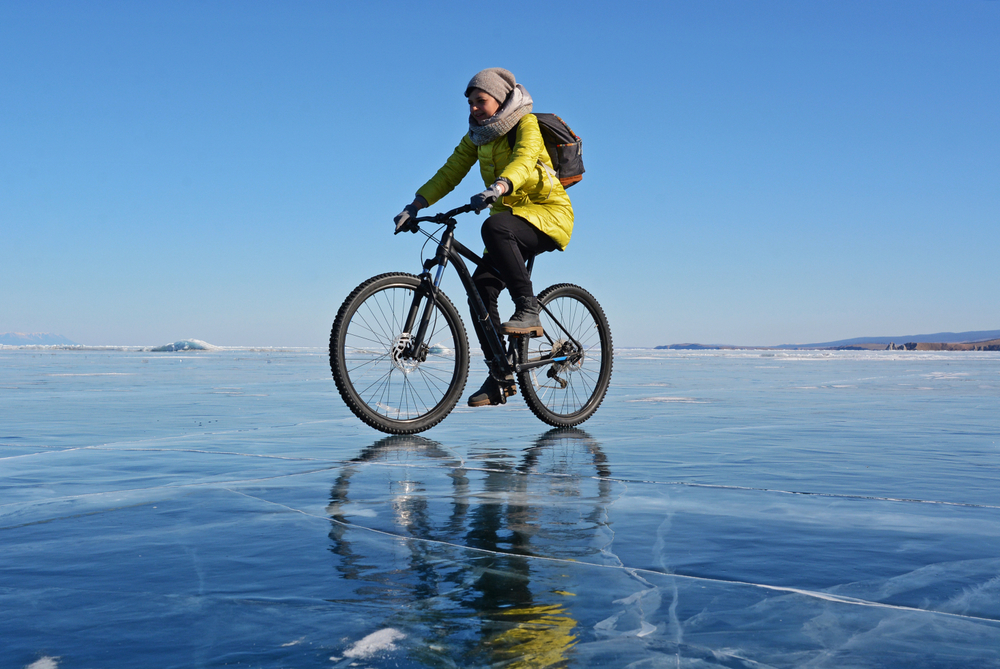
pixel 496 81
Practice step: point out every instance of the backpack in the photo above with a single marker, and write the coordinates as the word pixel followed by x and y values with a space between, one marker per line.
pixel 564 146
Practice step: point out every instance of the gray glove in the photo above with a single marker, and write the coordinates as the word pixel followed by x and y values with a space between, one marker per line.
pixel 486 198
pixel 402 221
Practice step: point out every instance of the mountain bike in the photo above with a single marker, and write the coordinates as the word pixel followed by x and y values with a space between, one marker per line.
pixel 399 352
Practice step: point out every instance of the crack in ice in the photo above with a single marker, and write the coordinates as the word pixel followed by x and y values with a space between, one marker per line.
pixel 813 594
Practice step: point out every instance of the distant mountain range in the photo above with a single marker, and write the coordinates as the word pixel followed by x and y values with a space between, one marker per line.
pixel 938 338
pixel 33 338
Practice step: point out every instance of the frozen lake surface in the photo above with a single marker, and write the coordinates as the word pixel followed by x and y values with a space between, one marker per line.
pixel 722 509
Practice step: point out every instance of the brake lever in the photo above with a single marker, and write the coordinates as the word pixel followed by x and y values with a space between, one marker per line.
pixel 409 226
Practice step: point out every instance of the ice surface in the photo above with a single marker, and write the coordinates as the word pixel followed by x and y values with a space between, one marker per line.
pixel 722 509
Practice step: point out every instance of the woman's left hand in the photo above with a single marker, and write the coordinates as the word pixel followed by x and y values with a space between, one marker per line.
pixel 488 196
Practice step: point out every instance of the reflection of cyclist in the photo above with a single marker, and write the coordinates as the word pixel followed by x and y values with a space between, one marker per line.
pixel 498 608
pixel 532 213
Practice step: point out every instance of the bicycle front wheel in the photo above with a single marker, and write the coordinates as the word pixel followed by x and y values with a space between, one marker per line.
pixel 386 387
pixel 578 342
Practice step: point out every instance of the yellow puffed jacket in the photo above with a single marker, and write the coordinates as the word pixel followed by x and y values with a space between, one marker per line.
pixel 538 197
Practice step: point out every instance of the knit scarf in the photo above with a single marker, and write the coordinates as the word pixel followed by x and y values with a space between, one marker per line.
pixel 516 106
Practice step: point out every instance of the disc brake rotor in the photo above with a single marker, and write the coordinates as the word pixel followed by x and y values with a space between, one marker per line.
pixel 400 360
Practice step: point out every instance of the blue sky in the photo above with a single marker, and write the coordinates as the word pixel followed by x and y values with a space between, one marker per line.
pixel 757 172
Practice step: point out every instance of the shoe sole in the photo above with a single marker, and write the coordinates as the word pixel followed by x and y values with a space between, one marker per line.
pixel 488 403
pixel 533 332
pixel 484 403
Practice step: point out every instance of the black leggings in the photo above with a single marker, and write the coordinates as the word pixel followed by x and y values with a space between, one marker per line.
pixel 510 242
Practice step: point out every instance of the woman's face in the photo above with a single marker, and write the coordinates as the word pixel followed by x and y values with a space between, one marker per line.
pixel 482 105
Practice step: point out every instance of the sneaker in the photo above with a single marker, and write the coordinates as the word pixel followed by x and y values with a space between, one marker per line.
pixel 490 394
pixel 525 319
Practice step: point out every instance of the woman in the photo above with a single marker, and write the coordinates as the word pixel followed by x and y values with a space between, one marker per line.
pixel 530 212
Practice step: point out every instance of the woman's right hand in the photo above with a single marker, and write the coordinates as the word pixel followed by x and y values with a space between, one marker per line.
pixel 409 212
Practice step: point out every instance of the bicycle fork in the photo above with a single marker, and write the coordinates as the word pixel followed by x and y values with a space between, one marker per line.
pixel 411 344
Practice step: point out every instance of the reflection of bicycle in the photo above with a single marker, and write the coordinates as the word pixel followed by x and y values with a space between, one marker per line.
pixel 400 355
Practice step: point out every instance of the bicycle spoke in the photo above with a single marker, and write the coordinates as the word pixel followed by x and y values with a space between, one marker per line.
pixel 365 364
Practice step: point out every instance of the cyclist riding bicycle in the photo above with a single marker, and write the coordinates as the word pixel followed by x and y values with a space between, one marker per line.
pixel 530 213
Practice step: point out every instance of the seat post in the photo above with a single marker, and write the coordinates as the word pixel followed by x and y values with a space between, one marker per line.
pixel 529 265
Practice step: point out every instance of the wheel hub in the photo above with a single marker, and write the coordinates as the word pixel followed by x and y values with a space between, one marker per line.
pixel 574 358
pixel 401 360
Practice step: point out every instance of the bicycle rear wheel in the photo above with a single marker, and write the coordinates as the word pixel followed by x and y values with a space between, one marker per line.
pixel 384 387
pixel 578 340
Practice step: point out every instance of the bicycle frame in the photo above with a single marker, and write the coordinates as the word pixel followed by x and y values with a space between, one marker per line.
pixel 503 363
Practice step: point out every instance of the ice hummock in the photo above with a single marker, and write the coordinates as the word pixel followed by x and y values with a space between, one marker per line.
pixel 184 345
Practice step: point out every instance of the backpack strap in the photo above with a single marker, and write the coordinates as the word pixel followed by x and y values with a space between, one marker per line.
pixel 550 173
pixel 512 135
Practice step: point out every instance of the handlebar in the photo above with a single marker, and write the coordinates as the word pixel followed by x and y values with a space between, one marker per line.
pixel 441 218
